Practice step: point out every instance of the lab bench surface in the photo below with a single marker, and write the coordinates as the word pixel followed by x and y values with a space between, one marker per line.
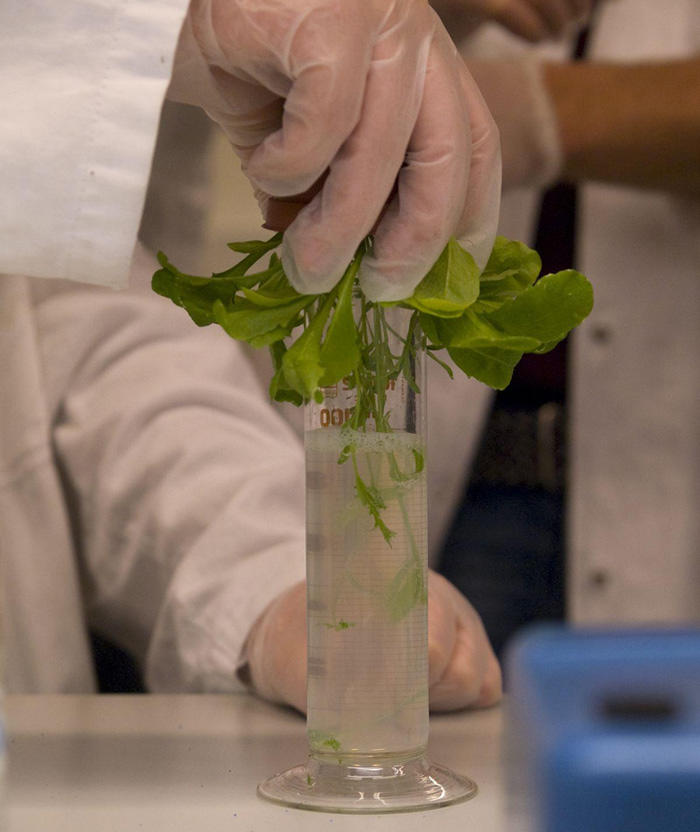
pixel 112 763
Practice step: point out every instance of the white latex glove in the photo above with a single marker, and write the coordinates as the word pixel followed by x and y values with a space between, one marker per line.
pixel 463 671
pixel 368 90
pixel 534 20
pixel 524 112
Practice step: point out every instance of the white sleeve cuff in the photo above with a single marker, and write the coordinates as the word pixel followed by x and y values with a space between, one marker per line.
pixel 82 82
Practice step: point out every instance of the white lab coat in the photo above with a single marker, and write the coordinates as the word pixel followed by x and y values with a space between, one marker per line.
pixel 634 552
pixel 118 509
pixel 81 85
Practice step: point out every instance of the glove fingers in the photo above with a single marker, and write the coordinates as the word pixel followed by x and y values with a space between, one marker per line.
pixel 321 110
pixel 247 129
pixel 263 54
pixel 478 224
pixel 324 237
pixel 430 204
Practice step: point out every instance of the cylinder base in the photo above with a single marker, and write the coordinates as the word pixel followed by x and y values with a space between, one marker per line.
pixel 405 786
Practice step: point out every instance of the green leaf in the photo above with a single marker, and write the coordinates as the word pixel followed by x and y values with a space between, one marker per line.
pixel 405 366
pixel 260 247
pixel 280 391
pixel 548 346
pixel 347 451
pixel 269 299
pixel 302 361
pixel 548 310
pixel 490 365
pixel 406 590
pixel 340 625
pixel 475 331
pixel 319 740
pixel 255 249
pixel 512 257
pixel 274 336
pixel 276 283
pixel 193 293
pixel 397 475
pixel 429 325
pixel 451 285
pixel 430 352
pixel 512 268
pixel 246 321
pixel 340 353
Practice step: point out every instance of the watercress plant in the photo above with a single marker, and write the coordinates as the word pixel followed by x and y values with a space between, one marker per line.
pixel 484 320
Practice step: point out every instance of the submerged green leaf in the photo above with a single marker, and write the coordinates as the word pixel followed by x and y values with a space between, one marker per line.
pixel 340 625
pixel 397 475
pixel 371 497
pixel 406 590
pixel 320 740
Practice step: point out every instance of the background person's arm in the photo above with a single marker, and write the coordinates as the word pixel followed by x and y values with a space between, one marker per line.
pixel 626 124
pixel 630 124
pixel 533 20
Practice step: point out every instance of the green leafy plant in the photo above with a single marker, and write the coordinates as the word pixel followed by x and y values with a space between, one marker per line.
pixel 484 320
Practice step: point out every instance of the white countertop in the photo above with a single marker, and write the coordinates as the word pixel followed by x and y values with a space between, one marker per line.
pixel 191 763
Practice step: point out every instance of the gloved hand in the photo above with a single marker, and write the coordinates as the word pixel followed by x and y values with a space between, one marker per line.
pixel 534 20
pixel 463 671
pixel 368 91
pixel 517 95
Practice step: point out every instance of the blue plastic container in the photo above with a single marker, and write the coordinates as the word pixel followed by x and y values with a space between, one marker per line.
pixel 604 731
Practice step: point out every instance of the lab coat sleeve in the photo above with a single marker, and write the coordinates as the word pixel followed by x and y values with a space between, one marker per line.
pixel 186 487
pixel 81 85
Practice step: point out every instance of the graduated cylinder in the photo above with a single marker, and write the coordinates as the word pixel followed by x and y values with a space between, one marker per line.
pixel 367 561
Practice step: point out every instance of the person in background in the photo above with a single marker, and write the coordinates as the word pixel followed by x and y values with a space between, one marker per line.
pixel 611 537
pixel 139 455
